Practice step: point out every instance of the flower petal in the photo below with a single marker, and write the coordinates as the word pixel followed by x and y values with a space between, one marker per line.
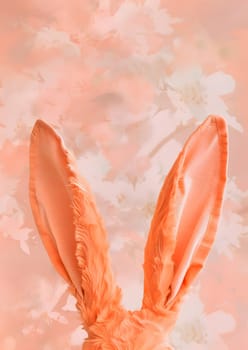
pixel 220 83
pixel 221 322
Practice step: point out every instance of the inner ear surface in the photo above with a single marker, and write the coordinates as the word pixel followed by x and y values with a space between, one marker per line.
pixel 201 170
pixel 52 189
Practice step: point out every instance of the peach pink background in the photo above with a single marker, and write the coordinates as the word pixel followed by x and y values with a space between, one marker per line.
pixel 125 83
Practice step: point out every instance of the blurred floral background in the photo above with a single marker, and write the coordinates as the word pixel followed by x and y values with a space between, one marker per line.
pixel 125 83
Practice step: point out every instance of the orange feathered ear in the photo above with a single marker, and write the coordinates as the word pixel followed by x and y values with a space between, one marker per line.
pixel 69 224
pixel 186 216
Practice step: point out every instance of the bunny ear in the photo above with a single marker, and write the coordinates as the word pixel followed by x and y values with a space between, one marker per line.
pixel 186 216
pixel 69 224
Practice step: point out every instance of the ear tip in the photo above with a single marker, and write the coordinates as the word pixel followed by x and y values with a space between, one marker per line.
pixel 39 123
pixel 39 126
pixel 217 119
pixel 219 122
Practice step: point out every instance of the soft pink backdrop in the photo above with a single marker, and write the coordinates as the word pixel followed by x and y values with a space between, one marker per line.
pixel 125 83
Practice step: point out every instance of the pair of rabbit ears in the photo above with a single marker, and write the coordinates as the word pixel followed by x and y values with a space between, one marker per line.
pixel 181 233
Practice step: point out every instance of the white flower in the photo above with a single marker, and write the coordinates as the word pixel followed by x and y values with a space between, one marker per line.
pixel 195 94
pixel 93 166
pixel 232 226
pixel 233 192
pixel 70 304
pixel 47 297
pixel 52 38
pixel 161 145
pixel 230 231
pixel 134 23
pixel 18 94
pixel 196 330
pixel 124 21
pixel 78 336
pixel 12 220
